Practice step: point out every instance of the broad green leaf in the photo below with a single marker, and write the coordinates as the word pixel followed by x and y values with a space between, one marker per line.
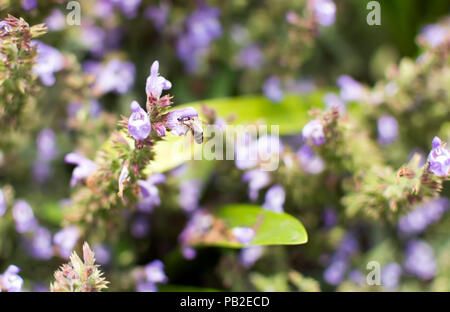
pixel 271 228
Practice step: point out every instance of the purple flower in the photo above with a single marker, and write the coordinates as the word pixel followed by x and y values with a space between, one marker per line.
pixel 313 132
pixel 351 90
pixel 419 260
pixel 139 124
pixel 390 275
pixel 23 215
pixel 256 179
pixel 157 14
pixel 10 281
pixel 243 234
pixel 144 286
pixel 28 5
pixel 154 272
pixel 387 129
pixel 188 253
pixel 434 35
pixel 40 245
pixel 84 167
pixel 115 76
pixel 140 227
pixel 248 256
pixel 309 161
pixel 439 158
pixel 149 197
pixel 65 240
pixel 129 8
pixel 330 217
pixel 332 100
pixel 190 192
pixel 156 83
pixel 335 272
pixel 272 89
pixel 275 198
pixel 49 61
pixel 199 224
pixel 5 28
pixel 250 57
pixel 347 246
pixel 203 27
pixel 356 277
pixel 102 253
pixel 56 20
pixel 420 218
pixel 325 12
pixel 174 119
pixel 264 151
pixel 2 203
pixel 46 145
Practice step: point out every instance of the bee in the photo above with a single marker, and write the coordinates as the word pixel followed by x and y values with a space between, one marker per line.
pixel 193 125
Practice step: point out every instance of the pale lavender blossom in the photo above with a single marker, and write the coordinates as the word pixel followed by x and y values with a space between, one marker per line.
pixel 40 245
pixel 250 57
pixel 387 129
pixel 46 144
pixel 325 12
pixel 174 119
pixel 422 216
pixel 330 217
pixel 2 203
pixel 313 132
pixel 139 125
pixel 419 260
pixel 102 253
pixel 65 240
pixel 154 272
pixel 156 83
pixel 335 272
pixel 149 196
pixel 23 216
pixel 48 62
pixel 203 26
pixel 199 223
pixel 348 245
pixel 356 276
pixel 243 234
pixel 115 76
pixel 84 167
pixel 248 256
pixel 310 162
pixel 272 89
pixel 28 5
pixel 190 192
pixel 140 227
pixel 257 180
pixel 145 286
pixel 390 275
pixel 56 20
pixel 434 34
pixel 351 90
pixel 188 253
pixel 10 281
pixel 5 28
pixel 129 8
pixel 439 158
pixel 158 15
pixel 275 198
pixel 332 100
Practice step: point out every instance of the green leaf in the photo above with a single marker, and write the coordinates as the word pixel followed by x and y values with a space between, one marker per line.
pixel 271 228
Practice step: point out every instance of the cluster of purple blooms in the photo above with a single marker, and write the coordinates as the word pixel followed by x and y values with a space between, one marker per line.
pixel 153 274
pixel 38 239
pixel 202 27
pixel 48 62
pixel 46 152
pixel 10 280
pixel 416 221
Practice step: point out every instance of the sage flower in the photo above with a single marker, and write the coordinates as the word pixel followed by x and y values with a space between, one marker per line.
pixel 420 260
pixel 156 83
pixel 351 90
pixel 139 124
pixel 174 119
pixel 272 89
pixel 275 198
pixel 23 216
pixel 243 234
pixel 149 196
pixel 248 256
pixel 10 281
pixel 387 129
pixel 439 158
pixel 65 240
pixel 325 12
pixel 84 167
pixel 48 62
pixel 313 132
